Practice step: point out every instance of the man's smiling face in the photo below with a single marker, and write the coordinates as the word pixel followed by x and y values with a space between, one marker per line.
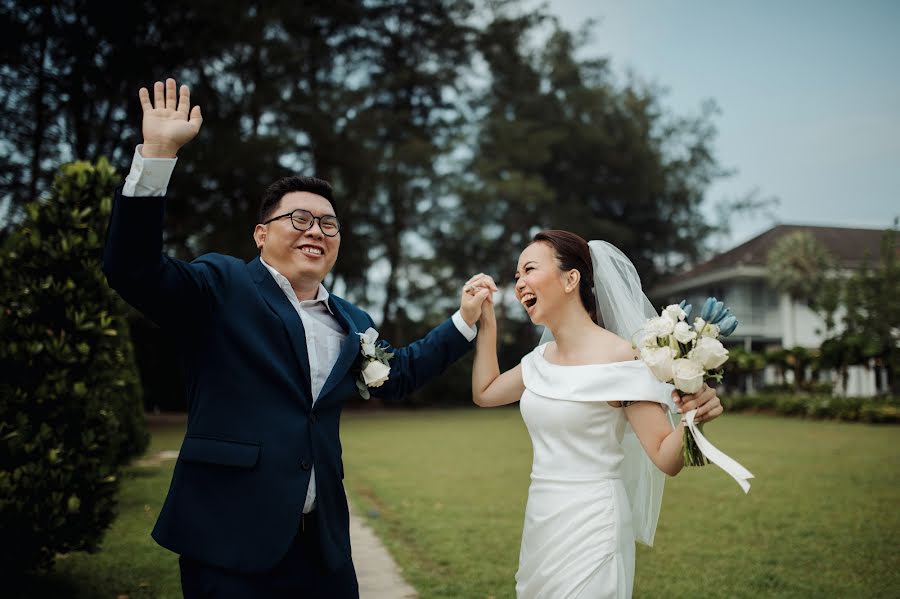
pixel 299 255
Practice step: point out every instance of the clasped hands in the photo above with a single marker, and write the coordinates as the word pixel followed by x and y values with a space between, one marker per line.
pixel 477 300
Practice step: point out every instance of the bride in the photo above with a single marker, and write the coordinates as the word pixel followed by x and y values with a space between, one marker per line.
pixel 597 417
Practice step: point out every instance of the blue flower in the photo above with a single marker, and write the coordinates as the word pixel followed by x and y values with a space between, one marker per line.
pixel 727 326
pixel 687 309
pixel 715 312
pixel 707 309
pixel 719 313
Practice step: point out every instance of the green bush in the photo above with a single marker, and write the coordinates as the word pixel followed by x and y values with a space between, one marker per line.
pixel 879 413
pixel 70 401
pixel 791 405
pixel 824 406
pixel 739 402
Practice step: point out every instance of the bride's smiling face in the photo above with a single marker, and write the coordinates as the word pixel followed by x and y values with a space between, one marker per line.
pixel 540 284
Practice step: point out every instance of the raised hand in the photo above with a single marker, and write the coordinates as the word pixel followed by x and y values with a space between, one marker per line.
pixel 476 295
pixel 472 302
pixel 168 122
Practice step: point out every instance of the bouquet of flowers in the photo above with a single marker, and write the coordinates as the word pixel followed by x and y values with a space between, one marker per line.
pixel 686 355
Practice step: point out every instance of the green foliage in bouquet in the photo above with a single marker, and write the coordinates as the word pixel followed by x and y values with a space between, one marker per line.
pixel 70 399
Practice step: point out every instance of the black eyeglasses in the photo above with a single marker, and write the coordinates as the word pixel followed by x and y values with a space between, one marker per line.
pixel 303 220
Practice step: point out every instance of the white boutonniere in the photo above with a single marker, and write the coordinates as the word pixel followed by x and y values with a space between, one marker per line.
pixel 375 369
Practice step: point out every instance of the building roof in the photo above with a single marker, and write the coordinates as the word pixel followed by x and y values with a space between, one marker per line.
pixel 851 248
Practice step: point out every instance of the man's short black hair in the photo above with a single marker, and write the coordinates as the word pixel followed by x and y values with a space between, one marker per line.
pixel 286 185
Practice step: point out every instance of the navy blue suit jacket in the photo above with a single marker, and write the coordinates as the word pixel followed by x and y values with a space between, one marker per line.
pixel 253 432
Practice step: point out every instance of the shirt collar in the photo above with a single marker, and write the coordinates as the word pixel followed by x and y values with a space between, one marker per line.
pixel 322 294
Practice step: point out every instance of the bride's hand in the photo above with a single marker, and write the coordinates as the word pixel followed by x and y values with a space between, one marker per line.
pixel 708 405
pixel 471 302
pixel 488 318
pixel 477 298
pixel 479 281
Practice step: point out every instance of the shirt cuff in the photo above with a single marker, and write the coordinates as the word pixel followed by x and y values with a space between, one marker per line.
pixel 148 176
pixel 465 330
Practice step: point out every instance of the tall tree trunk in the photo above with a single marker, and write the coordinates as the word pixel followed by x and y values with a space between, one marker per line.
pixel 393 254
pixel 40 117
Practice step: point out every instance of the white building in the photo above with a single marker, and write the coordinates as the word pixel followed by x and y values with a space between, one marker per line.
pixel 768 319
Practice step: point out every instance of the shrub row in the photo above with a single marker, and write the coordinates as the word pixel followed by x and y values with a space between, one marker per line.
pixel 852 409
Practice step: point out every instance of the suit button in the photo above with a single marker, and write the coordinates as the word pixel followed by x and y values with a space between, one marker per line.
pixel 305 465
pixel 312 418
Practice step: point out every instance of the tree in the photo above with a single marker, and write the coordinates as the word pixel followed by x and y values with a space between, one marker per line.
pixel 798 267
pixel 741 366
pixel 557 144
pixel 70 400
pixel 419 51
pixel 862 315
pixel 448 134
pixel 65 68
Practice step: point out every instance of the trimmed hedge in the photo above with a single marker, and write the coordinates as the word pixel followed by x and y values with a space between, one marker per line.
pixel 70 398
pixel 853 409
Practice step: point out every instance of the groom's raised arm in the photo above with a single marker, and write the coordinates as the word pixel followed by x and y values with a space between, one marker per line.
pixel 419 362
pixel 166 290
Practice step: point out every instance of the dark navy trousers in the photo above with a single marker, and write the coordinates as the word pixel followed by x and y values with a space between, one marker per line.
pixel 301 574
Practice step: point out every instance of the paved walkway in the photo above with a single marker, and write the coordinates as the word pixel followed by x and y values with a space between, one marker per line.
pixel 378 574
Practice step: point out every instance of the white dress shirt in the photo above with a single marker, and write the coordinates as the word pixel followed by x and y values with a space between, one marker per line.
pixel 324 335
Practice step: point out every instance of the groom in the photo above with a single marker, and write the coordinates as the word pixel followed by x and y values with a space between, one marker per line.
pixel 256 507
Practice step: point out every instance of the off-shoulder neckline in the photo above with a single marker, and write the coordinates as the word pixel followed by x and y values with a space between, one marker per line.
pixel 541 348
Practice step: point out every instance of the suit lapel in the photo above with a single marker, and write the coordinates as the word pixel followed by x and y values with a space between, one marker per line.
pixel 274 296
pixel 349 349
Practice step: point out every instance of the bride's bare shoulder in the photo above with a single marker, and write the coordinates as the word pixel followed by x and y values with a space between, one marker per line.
pixel 616 349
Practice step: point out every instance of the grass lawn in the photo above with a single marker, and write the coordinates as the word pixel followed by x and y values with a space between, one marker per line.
pixel 449 489
pixel 129 562
pixel 821 519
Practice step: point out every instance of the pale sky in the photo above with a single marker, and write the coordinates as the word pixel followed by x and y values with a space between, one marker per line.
pixel 809 93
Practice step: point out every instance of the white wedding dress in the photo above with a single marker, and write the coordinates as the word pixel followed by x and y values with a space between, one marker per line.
pixel 578 538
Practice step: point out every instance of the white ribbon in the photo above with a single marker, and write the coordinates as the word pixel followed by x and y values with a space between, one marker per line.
pixel 716 456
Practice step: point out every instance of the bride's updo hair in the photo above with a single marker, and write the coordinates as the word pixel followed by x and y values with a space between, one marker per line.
pixel 572 252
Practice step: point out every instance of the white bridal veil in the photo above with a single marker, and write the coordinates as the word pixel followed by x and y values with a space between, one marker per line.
pixel 624 309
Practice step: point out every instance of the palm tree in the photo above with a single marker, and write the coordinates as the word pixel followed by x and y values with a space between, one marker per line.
pixel 797 268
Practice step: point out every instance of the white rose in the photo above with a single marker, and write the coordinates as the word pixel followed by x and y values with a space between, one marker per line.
pixel 709 352
pixel 683 333
pixel 687 375
pixel 375 373
pixel 659 361
pixel 367 341
pixel 661 326
pixel 704 329
pixel 675 312
pixel 648 342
